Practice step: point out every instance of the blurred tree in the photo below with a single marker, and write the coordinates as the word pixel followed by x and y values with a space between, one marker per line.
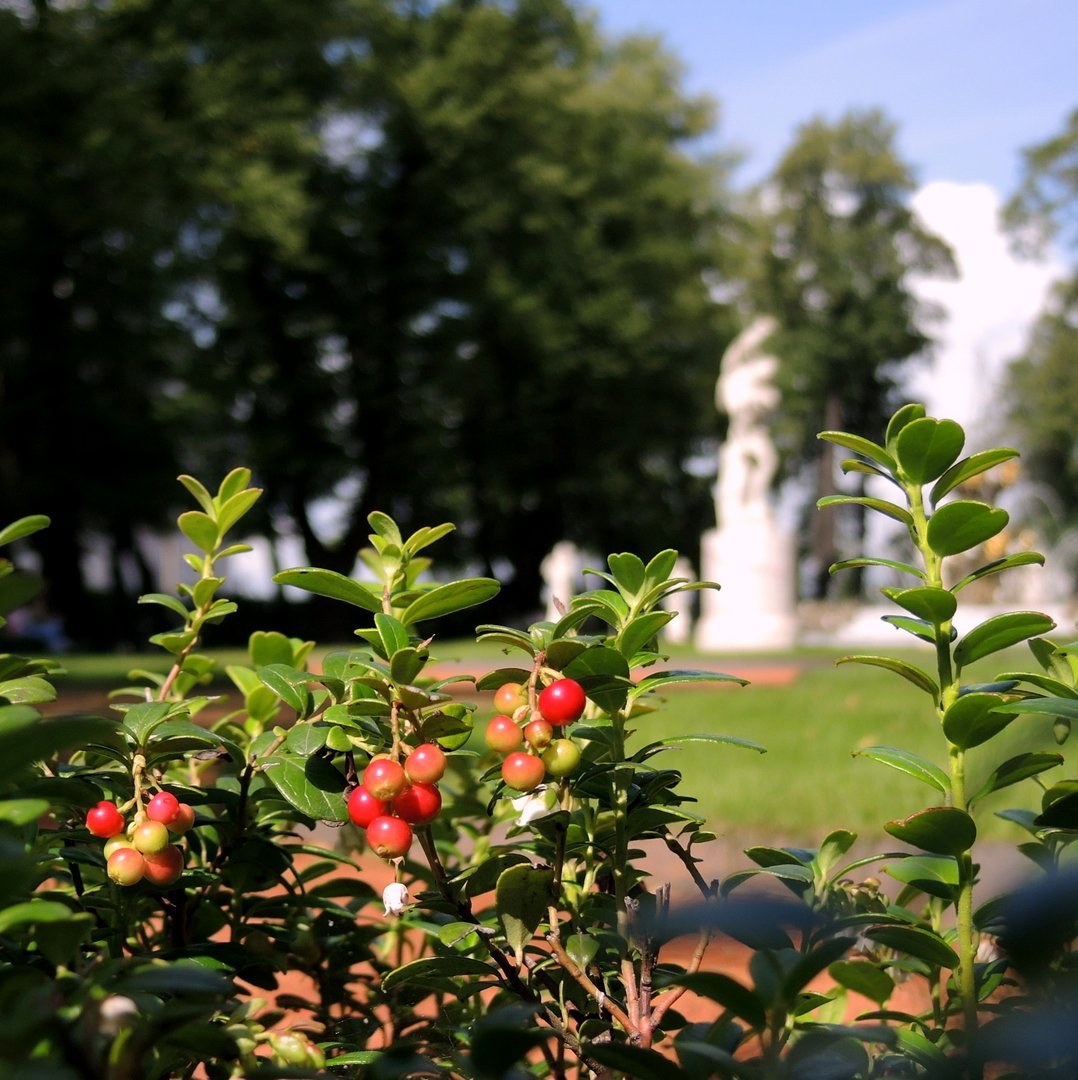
pixel 503 315
pixel 1042 384
pixel 836 250
pixel 452 260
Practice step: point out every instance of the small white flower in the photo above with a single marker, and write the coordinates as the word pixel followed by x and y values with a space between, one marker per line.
pixel 395 898
pixel 114 1014
pixel 534 804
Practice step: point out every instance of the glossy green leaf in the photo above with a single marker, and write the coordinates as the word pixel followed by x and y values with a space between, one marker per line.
pixel 454 596
pixel 901 417
pixel 22 811
pixel 718 740
pixel 1000 632
pixel 967 468
pixel 235 507
pixel 1016 769
pixel 919 628
pixel 863 978
pixel 199 528
pixel 173 603
pixel 393 632
pixel 996 566
pixel 865 447
pixel 405 664
pixel 1051 706
pixel 437 968
pixel 330 583
pixel 926 448
pixel 882 506
pixel 312 785
pixel 604 674
pixel 660 566
pixel 522 896
pixel 941 830
pixel 850 564
pixel 934 875
pixel 959 526
pixel 236 481
pixel 935 605
pixel 141 718
pixel 36 911
pixel 641 630
pixel 910 763
pixel 582 949
pixel 270 647
pixel 975 718
pixel 922 944
pixel 24 526
pixel 676 676
pixel 634 1061
pixel 288 684
pixel 628 571
pixel 725 992
pixel 29 690
pixel 911 672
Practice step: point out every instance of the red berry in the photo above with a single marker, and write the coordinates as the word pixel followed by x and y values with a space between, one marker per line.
pixel 163 807
pixel 509 697
pixel 523 772
pixel 164 868
pixel 561 757
pixel 126 866
pixel 418 804
pixel 562 702
pixel 425 764
pixel 384 777
pixel 539 732
pixel 390 837
pixel 105 820
pixel 184 819
pixel 363 807
pixel 150 837
pixel 503 734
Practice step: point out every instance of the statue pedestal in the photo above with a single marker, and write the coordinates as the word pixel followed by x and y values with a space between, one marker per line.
pixel 754 563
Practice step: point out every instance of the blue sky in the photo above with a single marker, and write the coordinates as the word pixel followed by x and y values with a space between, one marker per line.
pixel 968 82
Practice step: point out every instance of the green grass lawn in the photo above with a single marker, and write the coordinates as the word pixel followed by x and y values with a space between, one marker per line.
pixel 808 782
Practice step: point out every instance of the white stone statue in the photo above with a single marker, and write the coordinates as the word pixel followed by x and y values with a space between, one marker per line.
pixel 749 555
pixel 746 393
pixel 560 569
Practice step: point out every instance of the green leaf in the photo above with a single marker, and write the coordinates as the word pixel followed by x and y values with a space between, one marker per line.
pixel 936 605
pixel 235 508
pixel 1000 632
pixel 864 447
pixel 1018 768
pixel 386 527
pixel 941 830
pixel 233 484
pixel 22 811
pixel 424 537
pixel 173 603
pixel 863 978
pixel 1021 558
pixel 849 564
pixel 176 979
pixel 632 1061
pixel 405 664
pixel 912 940
pixel 1051 706
pixel 882 506
pixel 911 764
pixel 726 992
pixel 34 911
pixel 660 566
pixel 911 672
pixel 141 718
pixel 926 448
pixel 199 528
pixel 331 584
pixel 24 526
pixel 582 949
pixel 437 968
pixel 288 684
pixel 639 631
pixel 394 634
pixel 903 416
pixel 962 525
pixel 975 718
pixel 919 628
pixel 454 596
pixel 719 740
pixel 522 895
pixel 270 647
pixel 932 875
pixel 30 690
pixel 312 785
pixel 628 572
pixel 967 468
pixel 675 676
pixel 604 674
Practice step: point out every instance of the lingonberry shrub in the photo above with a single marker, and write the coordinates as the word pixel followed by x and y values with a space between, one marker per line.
pixel 512 927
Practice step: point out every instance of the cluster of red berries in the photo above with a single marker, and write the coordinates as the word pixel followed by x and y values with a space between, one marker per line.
pixel 558 704
pixel 392 797
pixel 143 850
